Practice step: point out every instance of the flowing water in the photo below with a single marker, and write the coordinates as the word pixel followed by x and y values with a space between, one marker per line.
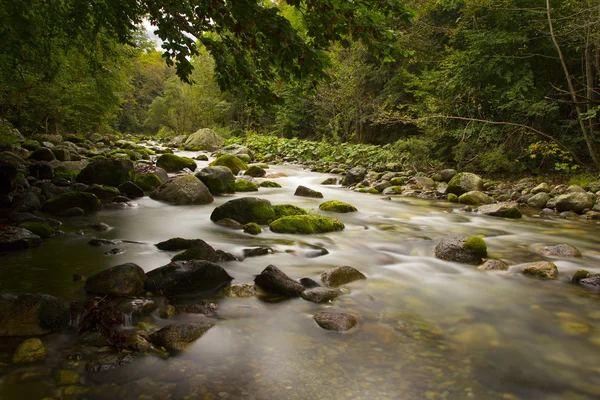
pixel 429 329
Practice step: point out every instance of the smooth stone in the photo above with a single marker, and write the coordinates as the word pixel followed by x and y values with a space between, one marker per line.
pixel 335 322
pixel 121 280
pixel 542 270
pixel 185 277
pixel 493 265
pixel 338 276
pixel 31 350
pixel 319 295
pixel 177 338
pixel 559 250
pixel 272 280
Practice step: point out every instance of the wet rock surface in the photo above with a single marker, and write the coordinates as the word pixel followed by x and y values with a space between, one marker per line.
pixel 185 277
pixel 274 281
pixel 335 322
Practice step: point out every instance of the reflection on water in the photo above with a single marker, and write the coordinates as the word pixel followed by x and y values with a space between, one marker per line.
pixel 428 329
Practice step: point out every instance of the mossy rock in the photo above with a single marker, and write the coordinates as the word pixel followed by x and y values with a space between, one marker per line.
pixel 68 174
pixel 475 198
pixel 461 248
pixel 31 350
pixel 452 198
pixel 31 145
pixel 107 171
pixel 147 181
pixel 199 251
pixel 103 192
pixel 337 206
pixel 255 171
pixel 306 224
pixel 39 228
pixel 252 228
pixel 230 161
pixel 175 163
pixel 541 270
pixel 245 210
pixel 62 202
pixel 269 184
pixel 66 377
pixel 464 182
pixel 242 185
pixel 132 155
pixel 369 190
pixel 476 245
pixel 217 179
pixel 286 210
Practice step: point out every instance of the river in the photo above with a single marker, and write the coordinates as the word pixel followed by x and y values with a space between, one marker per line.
pixel 428 329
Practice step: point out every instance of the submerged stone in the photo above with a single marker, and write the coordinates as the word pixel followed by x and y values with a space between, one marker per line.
pixel 107 362
pixel 335 322
pixel 461 248
pixel 32 314
pixel 179 337
pixel 542 270
pixel 338 276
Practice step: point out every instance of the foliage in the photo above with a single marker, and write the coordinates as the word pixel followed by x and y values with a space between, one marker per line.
pixel 99 316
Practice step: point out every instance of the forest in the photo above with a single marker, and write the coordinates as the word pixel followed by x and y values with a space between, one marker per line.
pixel 505 87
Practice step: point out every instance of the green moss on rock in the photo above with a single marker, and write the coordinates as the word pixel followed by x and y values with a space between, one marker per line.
pixel 147 181
pixel 83 200
pixel 174 163
pixel 39 228
pixel 477 245
pixel 252 228
pixel 286 210
pixel 270 184
pixel 306 224
pixel 245 210
pixel 230 161
pixel 337 206
pixel 68 174
pixel 242 185
pixel 103 192
pixel 452 198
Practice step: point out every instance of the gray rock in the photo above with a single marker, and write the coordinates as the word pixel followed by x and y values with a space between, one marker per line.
pixel 542 270
pixel 179 337
pixel 42 154
pixel 464 182
pixel 32 314
pixel 502 210
pixel 493 265
pixel 336 322
pixel 187 277
pixel 541 188
pixel 183 190
pixel 107 171
pixel 14 238
pixel 422 182
pixel 121 280
pixel 559 250
pixel 338 276
pixel 203 139
pixel 218 179
pixel 575 201
pixel 591 283
pixel 538 200
pixel 458 248
pixel 307 192
pixel 319 295
pixel 273 281
pixel 107 362
pixel 354 176
pixel 475 198
pixel 131 190
pixel 447 175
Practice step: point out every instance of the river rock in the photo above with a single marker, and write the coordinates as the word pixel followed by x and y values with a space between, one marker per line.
pixel 541 269
pixel 245 210
pixel 187 277
pixel 239 290
pixel 203 307
pixel 174 163
pixel 63 202
pixel 475 198
pixel 218 179
pixel 203 139
pixel 32 314
pixel 230 161
pixel 493 265
pixel 461 248
pixel 14 238
pixel 538 200
pixel 272 280
pixel 255 171
pixel 338 276
pixel 319 295
pixel 337 206
pixel 145 169
pixel 502 210
pixel 199 251
pixel 336 322
pixel 559 250
pixel 307 192
pixel 575 201
pixel 178 243
pixel 179 337
pixel 447 174
pixel 131 190
pixel 42 154
pixel 41 170
pixel 591 283
pixel 354 176
pixel 107 171
pixel 306 224
pixel 238 150
pixel 121 280
pixel 541 188
pixel 422 182
pixel 464 182
pixel 29 351
pixel 107 362
pixel 10 167
pixel 183 190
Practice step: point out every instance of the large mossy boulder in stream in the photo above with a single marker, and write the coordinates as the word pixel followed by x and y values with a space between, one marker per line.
pixel 201 250
pixel 575 201
pixel 148 181
pixel 306 224
pixel 462 249
pixel 183 190
pixel 62 202
pixel 121 280
pixel 337 206
pixel 107 171
pixel 244 185
pixel 218 179
pixel 203 139
pixel 187 277
pixel 41 229
pixel 273 281
pixel 175 163
pixel 230 161
pixel 32 314
pixel 464 182
pixel 475 198
pixel 286 210
pixel 31 350
pixel 502 210
pixel 14 238
pixel 179 337
pixel 245 210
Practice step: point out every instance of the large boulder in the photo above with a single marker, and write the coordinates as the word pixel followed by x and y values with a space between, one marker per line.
pixel 464 182
pixel 575 201
pixel 199 251
pixel 121 280
pixel 306 224
pixel 354 176
pixel 218 179
pixel 14 238
pixel 502 210
pixel 186 277
pixel 335 322
pixel 183 190
pixel 62 202
pixel 307 192
pixel 255 171
pixel 10 166
pixel 273 281
pixel 179 337
pixel 203 139
pixel 42 154
pixel 230 161
pixel 31 350
pixel 337 206
pixel 338 276
pixel 174 163
pixel 145 169
pixel 538 200
pixel 462 249
pixel 560 250
pixel 245 210
pixel 32 314
pixel 475 198
pixel 107 171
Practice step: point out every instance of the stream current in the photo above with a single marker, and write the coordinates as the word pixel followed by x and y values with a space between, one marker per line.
pixel 428 329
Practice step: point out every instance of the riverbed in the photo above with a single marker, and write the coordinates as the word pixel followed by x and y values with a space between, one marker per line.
pixel 428 329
